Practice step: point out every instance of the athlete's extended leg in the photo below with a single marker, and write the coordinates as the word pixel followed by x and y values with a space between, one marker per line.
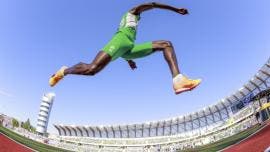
pixel 100 61
pixel 180 82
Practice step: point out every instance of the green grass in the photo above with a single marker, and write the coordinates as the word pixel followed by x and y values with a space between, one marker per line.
pixel 29 142
pixel 219 145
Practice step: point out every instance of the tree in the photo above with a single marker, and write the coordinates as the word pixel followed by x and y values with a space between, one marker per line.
pixel 22 125
pixel 15 123
pixel 32 129
pixel 27 125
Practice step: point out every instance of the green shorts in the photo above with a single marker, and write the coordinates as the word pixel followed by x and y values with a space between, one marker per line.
pixel 122 46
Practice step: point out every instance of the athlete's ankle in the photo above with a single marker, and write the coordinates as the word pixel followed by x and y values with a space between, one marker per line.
pixel 64 71
pixel 178 77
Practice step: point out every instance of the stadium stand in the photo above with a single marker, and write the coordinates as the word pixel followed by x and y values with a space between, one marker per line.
pixel 245 109
pixel 204 118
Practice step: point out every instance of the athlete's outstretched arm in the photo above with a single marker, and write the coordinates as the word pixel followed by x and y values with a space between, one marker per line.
pixel 148 6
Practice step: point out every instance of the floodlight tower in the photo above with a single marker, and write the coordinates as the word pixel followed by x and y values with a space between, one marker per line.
pixel 44 112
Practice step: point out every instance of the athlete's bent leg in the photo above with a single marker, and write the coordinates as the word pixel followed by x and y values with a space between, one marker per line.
pixel 180 82
pixel 168 52
pixel 101 60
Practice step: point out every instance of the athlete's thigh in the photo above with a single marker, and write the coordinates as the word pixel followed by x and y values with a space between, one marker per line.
pixel 118 46
pixel 139 51
pixel 101 60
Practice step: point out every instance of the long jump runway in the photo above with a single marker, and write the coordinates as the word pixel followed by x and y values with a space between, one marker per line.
pixel 8 145
pixel 256 143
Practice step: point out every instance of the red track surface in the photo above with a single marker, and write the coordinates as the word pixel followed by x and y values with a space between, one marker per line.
pixel 7 145
pixel 256 143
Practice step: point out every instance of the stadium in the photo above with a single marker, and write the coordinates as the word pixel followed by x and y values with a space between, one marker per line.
pixel 235 122
pixel 223 43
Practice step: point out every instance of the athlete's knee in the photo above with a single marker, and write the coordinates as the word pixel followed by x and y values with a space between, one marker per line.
pixel 162 44
pixel 167 44
pixel 92 69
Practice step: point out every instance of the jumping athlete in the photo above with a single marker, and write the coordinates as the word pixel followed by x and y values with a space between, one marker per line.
pixel 122 45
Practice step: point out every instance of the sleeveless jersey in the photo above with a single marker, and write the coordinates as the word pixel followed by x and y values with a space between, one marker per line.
pixel 128 25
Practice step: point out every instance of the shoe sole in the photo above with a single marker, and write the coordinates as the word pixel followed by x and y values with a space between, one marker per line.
pixel 178 91
pixel 53 81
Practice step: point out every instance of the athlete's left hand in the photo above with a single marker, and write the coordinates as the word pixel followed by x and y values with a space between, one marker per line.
pixel 132 64
pixel 182 11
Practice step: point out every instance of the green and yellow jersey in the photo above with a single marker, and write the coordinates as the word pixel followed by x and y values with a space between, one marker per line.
pixel 122 43
pixel 128 25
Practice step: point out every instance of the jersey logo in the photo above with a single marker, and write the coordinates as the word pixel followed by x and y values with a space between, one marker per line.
pixel 129 20
pixel 111 48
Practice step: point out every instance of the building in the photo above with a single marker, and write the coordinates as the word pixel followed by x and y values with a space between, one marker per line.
pixel 44 113
pixel 6 121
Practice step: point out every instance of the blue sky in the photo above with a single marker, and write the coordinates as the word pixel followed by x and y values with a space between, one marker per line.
pixel 222 42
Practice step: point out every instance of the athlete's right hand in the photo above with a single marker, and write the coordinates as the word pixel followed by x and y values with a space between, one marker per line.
pixel 182 11
pixel 132 64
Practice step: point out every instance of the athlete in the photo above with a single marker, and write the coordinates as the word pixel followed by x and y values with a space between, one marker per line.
pixel 122 45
